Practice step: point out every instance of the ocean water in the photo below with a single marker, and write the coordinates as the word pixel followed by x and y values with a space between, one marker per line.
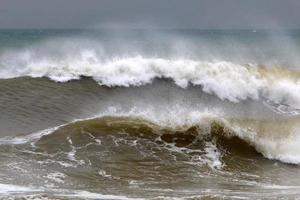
pixel 149 114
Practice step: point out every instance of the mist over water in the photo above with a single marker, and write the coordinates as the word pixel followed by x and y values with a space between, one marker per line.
pixel 118 114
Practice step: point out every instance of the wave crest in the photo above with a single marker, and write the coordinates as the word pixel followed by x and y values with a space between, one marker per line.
pixel 227 80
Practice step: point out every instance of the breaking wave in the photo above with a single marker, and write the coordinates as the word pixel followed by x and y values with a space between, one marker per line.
pixel 227 80
pixel 274 139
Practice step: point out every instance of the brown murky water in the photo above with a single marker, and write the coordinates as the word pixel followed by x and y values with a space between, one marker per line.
pixel 170 114
pixel 126 153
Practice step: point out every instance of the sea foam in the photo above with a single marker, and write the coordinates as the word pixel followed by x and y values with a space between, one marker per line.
pixel 227 80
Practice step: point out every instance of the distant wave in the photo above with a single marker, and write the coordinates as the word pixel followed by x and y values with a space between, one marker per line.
pixel 227 80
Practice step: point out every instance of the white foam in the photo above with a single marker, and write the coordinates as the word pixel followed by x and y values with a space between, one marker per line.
pixel 237 81
pixel 225 79
pixel 7 189
pixel 285 91
pixel 7 140
pixel 56 176
pixel 213 156
pixel 91 195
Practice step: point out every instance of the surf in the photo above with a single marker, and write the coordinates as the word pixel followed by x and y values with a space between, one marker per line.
pixel 228 81
pixel 161 114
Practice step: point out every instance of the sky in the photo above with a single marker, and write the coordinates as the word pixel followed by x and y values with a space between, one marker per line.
pixel 196 14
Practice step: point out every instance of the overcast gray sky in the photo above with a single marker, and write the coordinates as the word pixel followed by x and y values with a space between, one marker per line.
pixel 203 14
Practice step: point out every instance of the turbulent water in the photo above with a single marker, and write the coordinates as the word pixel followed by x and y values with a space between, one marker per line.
pixel 140 114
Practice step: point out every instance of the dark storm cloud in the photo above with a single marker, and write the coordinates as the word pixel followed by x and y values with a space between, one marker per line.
pixel 150 13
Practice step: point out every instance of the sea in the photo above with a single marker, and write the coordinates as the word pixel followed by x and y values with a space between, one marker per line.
pixel 149 114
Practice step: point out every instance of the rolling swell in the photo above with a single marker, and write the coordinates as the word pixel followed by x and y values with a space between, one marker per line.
pixel 209 129
pixel 274 139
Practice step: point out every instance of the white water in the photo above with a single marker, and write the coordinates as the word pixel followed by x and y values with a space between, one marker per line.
pixel 8 190
pixel 227 80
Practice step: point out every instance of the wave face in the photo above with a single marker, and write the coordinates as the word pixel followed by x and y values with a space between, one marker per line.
pixel 105 151
pixel 149 114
